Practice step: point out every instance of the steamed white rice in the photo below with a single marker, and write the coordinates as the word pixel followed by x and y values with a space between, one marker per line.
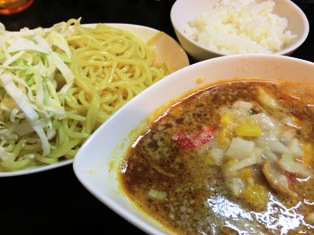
pixel 239 27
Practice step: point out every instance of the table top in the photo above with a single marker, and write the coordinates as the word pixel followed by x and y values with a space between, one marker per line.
pixel 55 202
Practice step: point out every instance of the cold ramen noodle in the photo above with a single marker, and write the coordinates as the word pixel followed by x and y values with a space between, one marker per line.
pixel 57 85
pixel 233 158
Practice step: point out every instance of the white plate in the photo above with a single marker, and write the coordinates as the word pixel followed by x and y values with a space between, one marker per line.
pixel 167 49
pixel 97 162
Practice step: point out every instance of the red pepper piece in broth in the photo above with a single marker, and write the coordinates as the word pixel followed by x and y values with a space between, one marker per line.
pixel 291 178
pixel 185 140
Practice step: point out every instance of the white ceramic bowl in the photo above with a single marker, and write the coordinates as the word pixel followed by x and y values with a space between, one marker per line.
pixel 97 162
pixel 185 10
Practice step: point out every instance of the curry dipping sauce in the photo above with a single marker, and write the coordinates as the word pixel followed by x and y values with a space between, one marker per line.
pixel 232 158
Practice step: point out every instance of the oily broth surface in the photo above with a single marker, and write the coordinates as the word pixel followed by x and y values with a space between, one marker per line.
pixel 197 200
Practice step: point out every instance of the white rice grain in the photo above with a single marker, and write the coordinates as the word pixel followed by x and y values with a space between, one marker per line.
pixel 240 27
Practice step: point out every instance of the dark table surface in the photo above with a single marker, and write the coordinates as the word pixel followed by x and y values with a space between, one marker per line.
pixel 55 202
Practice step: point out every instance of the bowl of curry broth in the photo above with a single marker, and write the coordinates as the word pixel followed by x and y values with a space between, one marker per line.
pixel 223 146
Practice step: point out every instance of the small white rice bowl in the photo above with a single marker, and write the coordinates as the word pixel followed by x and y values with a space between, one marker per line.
pixel 209 28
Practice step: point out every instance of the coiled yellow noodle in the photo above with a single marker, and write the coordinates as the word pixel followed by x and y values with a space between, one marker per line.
pixel 110 67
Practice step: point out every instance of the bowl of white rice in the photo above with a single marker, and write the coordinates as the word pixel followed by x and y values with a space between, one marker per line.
pixel 211 28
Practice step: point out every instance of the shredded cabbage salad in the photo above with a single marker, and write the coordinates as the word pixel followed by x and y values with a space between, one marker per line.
pixel 31 62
